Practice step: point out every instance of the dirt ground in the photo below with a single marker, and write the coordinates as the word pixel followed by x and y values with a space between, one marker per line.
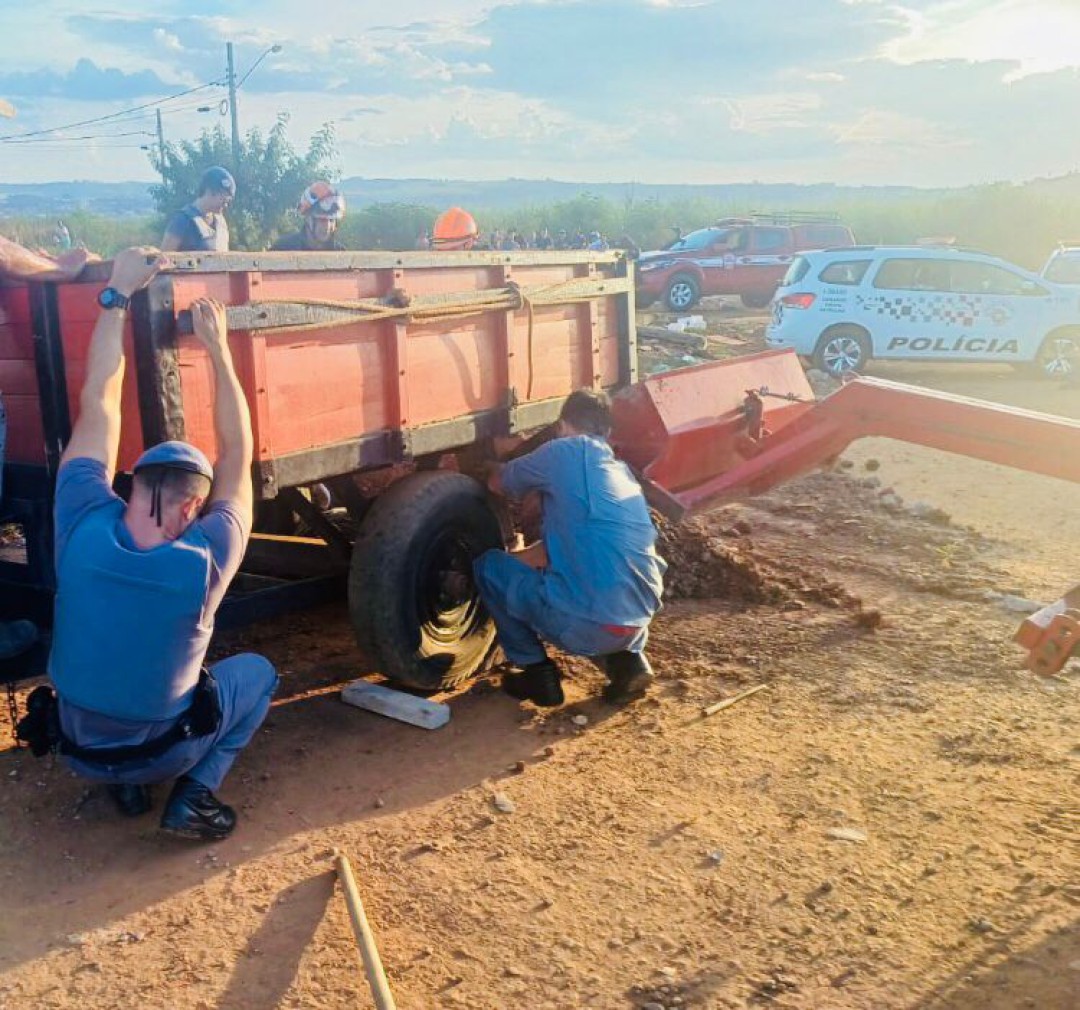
pixel 893 823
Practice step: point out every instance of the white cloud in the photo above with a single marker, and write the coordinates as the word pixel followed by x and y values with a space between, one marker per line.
pixel 1038 35
pixel 897 131
pixel 664 90
pixel 167 40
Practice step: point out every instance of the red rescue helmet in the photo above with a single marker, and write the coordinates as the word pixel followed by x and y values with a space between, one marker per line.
pixel 321 199
pixel 454 229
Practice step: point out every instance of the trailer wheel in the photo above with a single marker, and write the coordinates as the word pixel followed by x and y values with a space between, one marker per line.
pixel 413 603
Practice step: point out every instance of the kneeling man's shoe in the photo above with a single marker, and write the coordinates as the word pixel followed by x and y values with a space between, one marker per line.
pixel 629 674
pixel 131 801
pixel 540 683
pixel 195 812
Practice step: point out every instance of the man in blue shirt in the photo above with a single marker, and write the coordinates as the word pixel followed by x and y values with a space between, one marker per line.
pixel 594 581
pixel 201 225
pixel 138 585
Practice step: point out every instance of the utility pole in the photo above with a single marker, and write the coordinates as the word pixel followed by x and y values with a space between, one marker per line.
pixel 233 110
pixel 161 146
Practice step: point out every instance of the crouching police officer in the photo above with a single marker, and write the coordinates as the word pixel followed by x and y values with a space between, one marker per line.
pixel 138 585
pixel 593 582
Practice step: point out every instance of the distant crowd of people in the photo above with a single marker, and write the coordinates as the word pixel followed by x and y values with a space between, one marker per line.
pixel 201 226
pixel 514 239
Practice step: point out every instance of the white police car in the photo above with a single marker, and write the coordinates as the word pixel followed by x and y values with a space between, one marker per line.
pixel 842 307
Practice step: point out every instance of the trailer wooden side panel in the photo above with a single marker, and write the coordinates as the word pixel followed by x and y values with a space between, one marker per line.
pixel 18 378
pixel 346 386
pixel 330 398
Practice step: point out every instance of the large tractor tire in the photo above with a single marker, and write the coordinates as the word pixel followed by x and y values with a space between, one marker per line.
pixel 412 599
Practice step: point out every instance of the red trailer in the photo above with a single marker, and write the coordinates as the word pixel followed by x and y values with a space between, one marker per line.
pixel 386 377
pixel 382 376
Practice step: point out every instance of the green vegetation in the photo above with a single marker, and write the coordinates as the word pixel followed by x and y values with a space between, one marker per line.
pixel 386 226
pixel 102 234
pixel 269 180
pixel 1019 222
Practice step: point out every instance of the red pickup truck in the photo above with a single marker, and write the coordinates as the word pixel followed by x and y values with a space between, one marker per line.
pixel 736 256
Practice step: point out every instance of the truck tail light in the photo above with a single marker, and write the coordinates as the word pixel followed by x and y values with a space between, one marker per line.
pixel 803 301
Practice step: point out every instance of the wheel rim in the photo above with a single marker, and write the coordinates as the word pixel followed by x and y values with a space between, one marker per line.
pixel 447 602
pixel 681 295
pixel 842 354
pixel 1057 360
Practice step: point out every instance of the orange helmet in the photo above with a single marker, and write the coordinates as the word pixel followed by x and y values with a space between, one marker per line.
pixel 321 199
pixel 454 229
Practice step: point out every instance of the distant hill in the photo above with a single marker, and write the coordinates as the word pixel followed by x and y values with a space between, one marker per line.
pixel 116 199
pixel 524 192
pixel 121 199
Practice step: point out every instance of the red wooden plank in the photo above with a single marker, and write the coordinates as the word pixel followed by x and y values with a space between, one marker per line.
pixel 25 438
pixel 18 378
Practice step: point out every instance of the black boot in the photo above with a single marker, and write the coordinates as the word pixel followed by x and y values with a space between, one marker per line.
pixel 195 812
pixel 131 801
pixel 16 637
pixel 629 674
pixel 540 683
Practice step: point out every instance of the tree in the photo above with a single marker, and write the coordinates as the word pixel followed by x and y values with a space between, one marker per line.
pixel 387 226
pixel 269 179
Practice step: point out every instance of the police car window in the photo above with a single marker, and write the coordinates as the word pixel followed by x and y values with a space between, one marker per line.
pixel 844 272
pixel 973 277
pixel 770 239
pixel 1064 270
pixel 796 272
pixel 913 275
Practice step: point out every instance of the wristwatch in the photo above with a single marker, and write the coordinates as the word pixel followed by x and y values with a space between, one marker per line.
pixel 110 298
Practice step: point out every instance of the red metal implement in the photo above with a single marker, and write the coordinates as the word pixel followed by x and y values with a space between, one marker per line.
pixel 691 433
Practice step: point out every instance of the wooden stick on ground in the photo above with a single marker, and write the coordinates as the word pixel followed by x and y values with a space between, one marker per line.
pixel 728 702
pixel 365 939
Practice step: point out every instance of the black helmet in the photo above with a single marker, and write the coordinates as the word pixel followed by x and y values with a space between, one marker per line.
pixel 217 180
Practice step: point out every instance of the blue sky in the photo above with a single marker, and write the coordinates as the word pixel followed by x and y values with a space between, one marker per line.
pixel 916 92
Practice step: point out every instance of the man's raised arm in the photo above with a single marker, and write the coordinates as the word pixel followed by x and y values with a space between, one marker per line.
pixel 96 434
pixel 232 421
pixel 19 263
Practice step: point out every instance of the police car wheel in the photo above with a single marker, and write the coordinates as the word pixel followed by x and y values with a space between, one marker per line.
pixel 682 292
pixel 1059 356
pixel 842 350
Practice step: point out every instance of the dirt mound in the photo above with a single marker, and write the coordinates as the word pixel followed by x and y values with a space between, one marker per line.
pixel 703 565
pixel 711 557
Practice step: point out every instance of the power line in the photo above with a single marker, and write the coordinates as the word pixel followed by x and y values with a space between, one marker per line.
pixel 8 138
pixel 83 146
pixel 136 118
pixel 89 136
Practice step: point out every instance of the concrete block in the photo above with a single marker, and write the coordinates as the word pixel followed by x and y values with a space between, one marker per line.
pixel 396 704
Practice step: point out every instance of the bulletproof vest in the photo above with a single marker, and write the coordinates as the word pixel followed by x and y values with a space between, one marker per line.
pixel 129 634
pixel 211 237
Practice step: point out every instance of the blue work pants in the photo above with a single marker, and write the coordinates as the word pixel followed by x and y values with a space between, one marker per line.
pixel 245 685
pixel 514 596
